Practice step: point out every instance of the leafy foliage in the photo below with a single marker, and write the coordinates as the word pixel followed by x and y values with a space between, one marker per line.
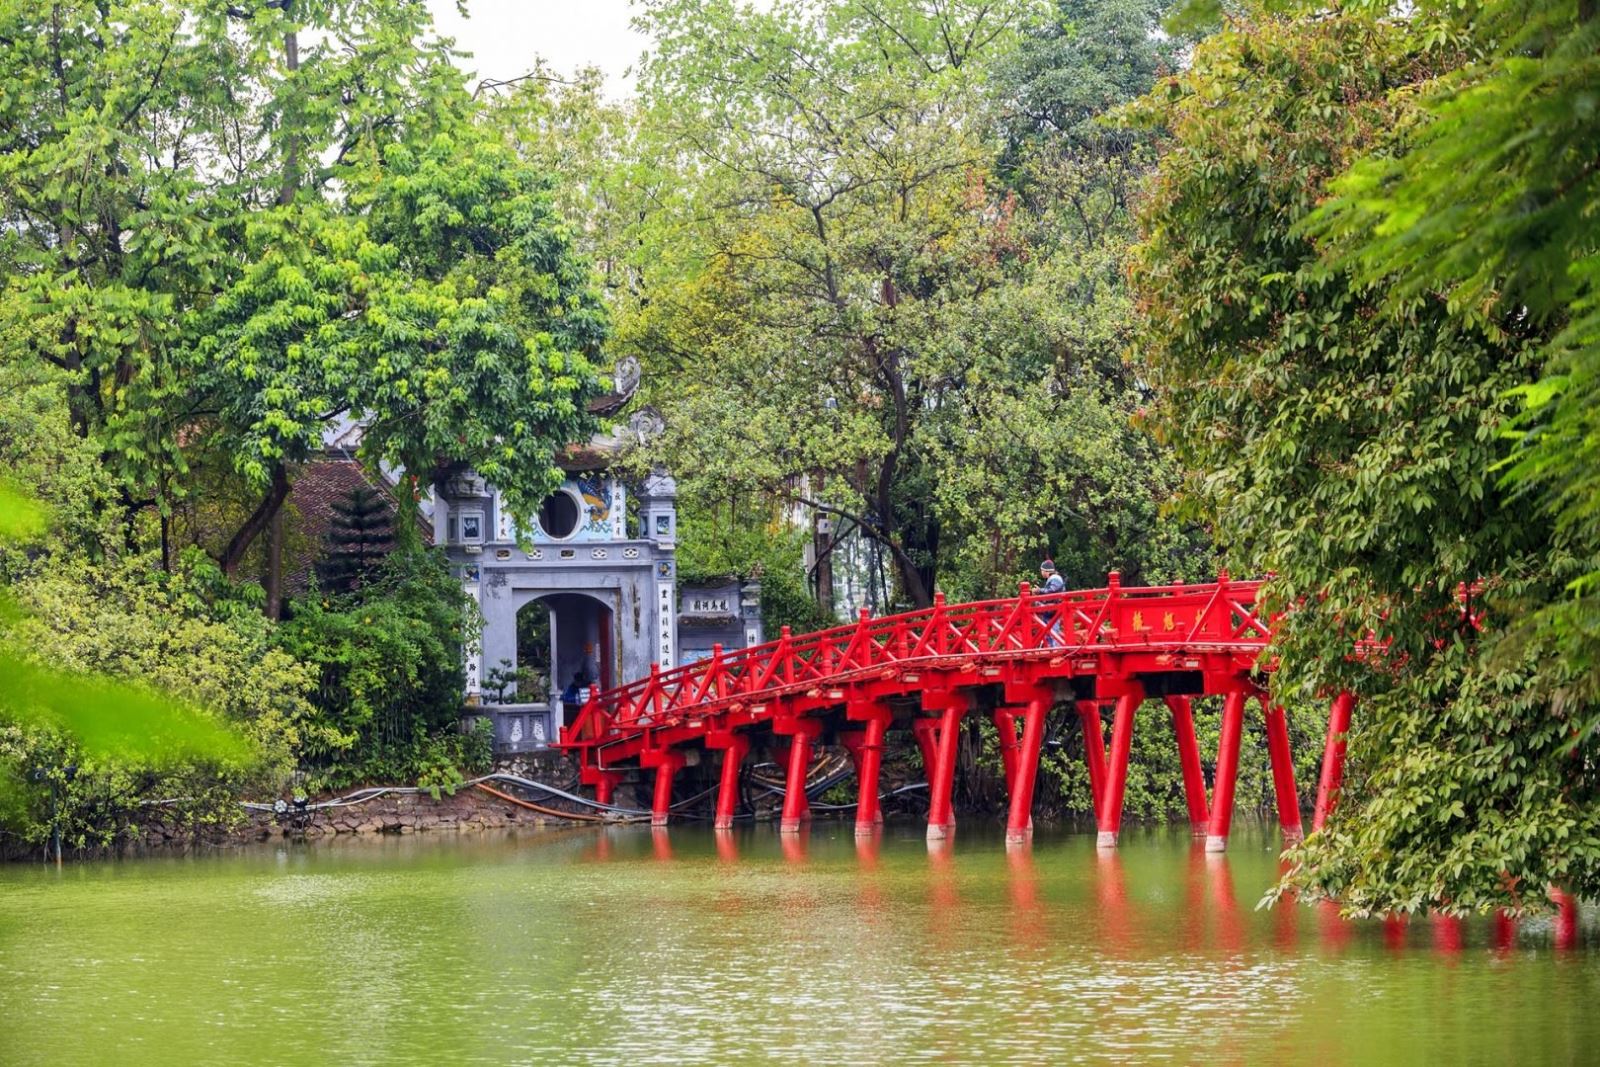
pixel 1343 434
pixel 741 538
pixel 1492 204
pixel 870 278
pixel 387 663
pixel 360 534
pixel 228 227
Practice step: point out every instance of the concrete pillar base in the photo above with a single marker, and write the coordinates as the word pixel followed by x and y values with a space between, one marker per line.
pixel 1216 844
pixel 1107 839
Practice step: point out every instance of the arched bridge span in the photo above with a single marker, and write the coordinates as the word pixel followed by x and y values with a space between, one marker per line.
pixel 926 671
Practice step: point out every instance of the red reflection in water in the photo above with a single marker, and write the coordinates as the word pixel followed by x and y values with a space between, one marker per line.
pixel 1505 931
pixel 1230 927
pixel 1394 932
pixel 1334 930
pixel 1566 919
pixel 727 847
pixel 661 843
pixel 944 900
pixel 796 845
pixel 868 847
pixel 1447 933
pixel 1286 916
pixel 1111 891
pixel 1027 917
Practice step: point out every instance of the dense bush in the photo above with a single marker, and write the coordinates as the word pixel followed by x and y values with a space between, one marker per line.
pixel 187 633
pixel 387 665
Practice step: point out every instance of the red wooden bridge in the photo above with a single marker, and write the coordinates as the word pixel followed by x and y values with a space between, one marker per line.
pixel 925 671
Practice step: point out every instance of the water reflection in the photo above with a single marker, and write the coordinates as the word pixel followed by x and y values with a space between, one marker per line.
pixel 1111 893
pixel 1027 914
pixel 1224 903
pixel 796 844
pixel 1394 932
pixel 1334 929
pixel 1505 931
pixel 869 846
pixel 628 944
pixel 944 897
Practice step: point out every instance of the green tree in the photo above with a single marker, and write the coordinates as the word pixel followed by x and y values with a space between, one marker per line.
pixel 229 227
pixel 388 667
pixel 849 297
pixel 360 534
pixel 1343 433
pixel 1493 205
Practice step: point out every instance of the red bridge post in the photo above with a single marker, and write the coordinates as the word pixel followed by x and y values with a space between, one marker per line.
pixel 1333 759
pixel 1282 770
pixel 735 747
pixel 1194 776
pixel 1019 820
pixel 868 752
pixel 1005 725
pixel 605 782
pixel 1117 774
pixel 801 733
pixel 1227 771
pixel 1094 748
pixel 941 776
pixel 668 763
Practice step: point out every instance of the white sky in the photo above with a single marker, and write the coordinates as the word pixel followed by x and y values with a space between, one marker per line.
pixel 504 36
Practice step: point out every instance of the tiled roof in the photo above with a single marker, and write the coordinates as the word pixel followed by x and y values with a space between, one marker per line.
pixel 320 484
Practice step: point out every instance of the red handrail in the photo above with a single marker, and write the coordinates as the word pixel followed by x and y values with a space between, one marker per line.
pixel 1214 615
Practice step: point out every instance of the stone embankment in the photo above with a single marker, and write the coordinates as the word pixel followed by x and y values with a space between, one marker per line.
pixel 390 813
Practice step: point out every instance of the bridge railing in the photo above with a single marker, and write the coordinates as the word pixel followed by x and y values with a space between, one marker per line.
pixel 1220 613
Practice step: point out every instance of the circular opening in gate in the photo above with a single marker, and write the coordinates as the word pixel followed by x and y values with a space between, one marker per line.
pixel 558 515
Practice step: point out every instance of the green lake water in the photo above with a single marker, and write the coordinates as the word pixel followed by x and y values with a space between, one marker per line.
pixel 628 946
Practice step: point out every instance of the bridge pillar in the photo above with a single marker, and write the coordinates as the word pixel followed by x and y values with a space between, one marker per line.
pixel 866 747
pixel 1019 820
pixel 796 807
pixel 1005 724
pixel 1094 751
pixel 926 733
pixel 605 782
pixel 1194 776
pixel 1282 770
pixel 942 775
pixel 1333 759
pixel 1227 772
pixel 1110 812
pixel 734 749
pixel 667 764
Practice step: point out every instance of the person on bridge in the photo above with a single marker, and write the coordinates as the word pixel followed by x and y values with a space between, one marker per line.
pixel 1052 583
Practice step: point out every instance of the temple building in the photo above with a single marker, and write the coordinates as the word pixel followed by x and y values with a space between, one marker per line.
pixel 587 595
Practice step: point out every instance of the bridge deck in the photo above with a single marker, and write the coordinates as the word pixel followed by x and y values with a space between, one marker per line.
pixel 1011 659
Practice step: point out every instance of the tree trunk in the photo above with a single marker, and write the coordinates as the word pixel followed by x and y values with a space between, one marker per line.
pixel 259 521
pixel 273 582
pixel 822 546
pixel 274 579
